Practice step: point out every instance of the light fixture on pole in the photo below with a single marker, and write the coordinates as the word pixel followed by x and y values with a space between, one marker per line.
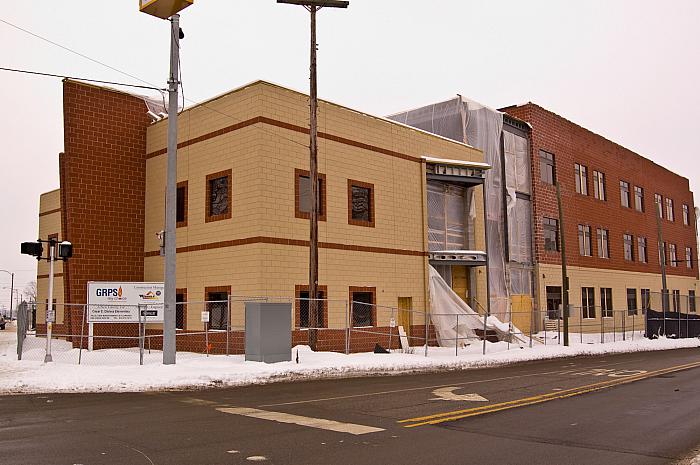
pixel 313 6
pixel 165 9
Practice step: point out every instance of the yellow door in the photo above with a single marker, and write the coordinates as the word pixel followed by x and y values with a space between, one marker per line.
pixel 405 315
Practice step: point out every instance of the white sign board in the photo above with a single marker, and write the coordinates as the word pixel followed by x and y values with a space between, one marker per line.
pixel 117 302
pixel 205 317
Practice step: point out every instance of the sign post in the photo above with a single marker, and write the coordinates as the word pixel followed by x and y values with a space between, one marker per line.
pixel 205 320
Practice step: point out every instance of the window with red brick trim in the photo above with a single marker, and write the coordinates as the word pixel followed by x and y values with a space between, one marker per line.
pixel 181 204
pixel 302 195
pixel 181 309
pixel 363 302
pixel 302 304
pixel 218 196
pixel 360 203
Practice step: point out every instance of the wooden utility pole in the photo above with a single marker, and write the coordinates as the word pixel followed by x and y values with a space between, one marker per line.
pixel 313 6
pixel 564 276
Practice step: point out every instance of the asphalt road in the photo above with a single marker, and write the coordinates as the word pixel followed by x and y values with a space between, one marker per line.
pixel 641 408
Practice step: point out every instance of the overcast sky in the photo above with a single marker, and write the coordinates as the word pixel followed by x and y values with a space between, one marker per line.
pixel 628 70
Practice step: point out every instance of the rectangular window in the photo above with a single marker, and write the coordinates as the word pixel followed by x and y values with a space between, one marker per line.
pixel 551 234
pixel 217 306
pixel 588 302
pixel 672 256
pixel 181 203
pixel 362 301
pixel 599 185
pixel 581 174
pixel 631 301
pixel 658 201
pixel 584 240
pixel 303 304
pixel 302 195
pixel 181 309
pixel 676 300
pixel 688 257
pixel 639 198
pixel 686 215
pixel 629 249
pixel 646 299
pixel 554 302
pixel 692 303
pixel 606 306
pixel 642 249
pixel 603 248
pixel 669 209
pixel 625 194
pixel 218 196
pixel 360 203
pixel 547 172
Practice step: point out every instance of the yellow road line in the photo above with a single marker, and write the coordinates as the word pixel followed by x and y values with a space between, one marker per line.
pixel 464 413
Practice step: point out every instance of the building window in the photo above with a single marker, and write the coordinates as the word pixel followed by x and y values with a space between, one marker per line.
pixel 639 198
pixel 686 215
pixel 642 249
pixel 551 234
pixel 217 306
pixel 676 300
pixel 181 202
pixel 673 257
pixel 646 299
pixel 658 201
pixel 588 302
pixel 606 306
pixel 625 194
pixel 669 209
pixel 584 240
pixel 599 185
pixel 631 301
pixel 218 196
pixel 692 303
pixel 181 309
pixel 688 257
pixel 547 171
pixel 360 203
pixel 554 302
pixel 301 313
pixel 629 249
pixel 603 248
pixel 581 179
pixel 363 308
pixel 302 195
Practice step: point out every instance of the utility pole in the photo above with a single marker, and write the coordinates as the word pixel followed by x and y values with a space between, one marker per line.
pixel 564 276
pixel 662 258
pixel 313 6
pixel 12 287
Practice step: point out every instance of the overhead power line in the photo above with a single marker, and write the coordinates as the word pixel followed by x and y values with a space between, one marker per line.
pixel 39 73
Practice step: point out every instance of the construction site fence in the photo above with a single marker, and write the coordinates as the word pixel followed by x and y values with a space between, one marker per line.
pixel 343 326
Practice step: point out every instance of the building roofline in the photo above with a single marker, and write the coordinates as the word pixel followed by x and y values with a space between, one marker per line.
pixel 505 109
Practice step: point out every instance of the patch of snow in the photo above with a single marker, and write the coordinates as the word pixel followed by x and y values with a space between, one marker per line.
pixel 118 370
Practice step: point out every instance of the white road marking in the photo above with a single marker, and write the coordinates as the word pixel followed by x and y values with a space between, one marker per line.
pixel 256 458
pixel 447 393
pixel 319 423
pixel 232 451
pixel 194 401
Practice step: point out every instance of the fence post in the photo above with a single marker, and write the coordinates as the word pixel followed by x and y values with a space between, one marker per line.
pixel 21 332
pixel 614 327
pixel 228 324
pixel 391 328
pixel 206 338
pixel 347 329
pixel 82 333
pixel 142 330
pixel 580 324
pixel 602 326
pixel 426 332
pixel 624 326
pixel 483 350
pixel 532 324
pixel 634 327
pixel 510 324
pixel 456 334
pixel 559 316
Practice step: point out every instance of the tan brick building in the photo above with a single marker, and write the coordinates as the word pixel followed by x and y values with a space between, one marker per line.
pixel 243 205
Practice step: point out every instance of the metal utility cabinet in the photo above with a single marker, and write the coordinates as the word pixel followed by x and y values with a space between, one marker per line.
pixel 268 332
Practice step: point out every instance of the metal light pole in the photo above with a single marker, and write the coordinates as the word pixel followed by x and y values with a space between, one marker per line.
pixel 50 310
pixel 313 6
pixel 169 9
pixel 12 287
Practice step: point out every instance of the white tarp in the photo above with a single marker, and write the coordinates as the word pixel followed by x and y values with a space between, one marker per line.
pixel 456 322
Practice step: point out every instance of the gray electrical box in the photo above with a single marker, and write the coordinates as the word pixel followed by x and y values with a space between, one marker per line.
pixel 268 332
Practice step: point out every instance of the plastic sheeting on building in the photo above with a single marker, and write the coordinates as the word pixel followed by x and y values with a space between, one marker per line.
pixel 472 123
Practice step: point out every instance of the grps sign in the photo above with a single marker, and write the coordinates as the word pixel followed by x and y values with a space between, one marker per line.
pixel 119 302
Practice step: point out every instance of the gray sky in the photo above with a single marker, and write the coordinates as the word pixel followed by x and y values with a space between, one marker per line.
pixel 625 69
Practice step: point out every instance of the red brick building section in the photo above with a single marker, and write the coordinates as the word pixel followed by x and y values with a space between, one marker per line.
pixel 103 182
pixel 570 144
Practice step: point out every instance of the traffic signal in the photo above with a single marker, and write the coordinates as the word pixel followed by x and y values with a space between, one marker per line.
pixel 65 250
pixel 34 249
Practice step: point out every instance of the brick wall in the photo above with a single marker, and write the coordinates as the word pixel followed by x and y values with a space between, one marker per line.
pixel 572 144
pixel 102 175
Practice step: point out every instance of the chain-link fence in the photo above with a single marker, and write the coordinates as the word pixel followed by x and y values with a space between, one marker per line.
pixel 217 327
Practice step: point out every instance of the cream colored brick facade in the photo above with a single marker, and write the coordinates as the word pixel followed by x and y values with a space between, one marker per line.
pixel 263 157
pixel 49 223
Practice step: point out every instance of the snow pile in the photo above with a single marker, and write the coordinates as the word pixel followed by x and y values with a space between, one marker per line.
pixel 117 370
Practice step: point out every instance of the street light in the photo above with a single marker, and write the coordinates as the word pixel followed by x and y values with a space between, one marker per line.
pixel 12 287
pixel 165 9
pixel 313 6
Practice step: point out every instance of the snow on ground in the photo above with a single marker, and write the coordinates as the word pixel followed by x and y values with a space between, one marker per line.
pixel 118 370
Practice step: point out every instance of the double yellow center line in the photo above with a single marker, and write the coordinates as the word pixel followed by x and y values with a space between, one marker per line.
pixel 472 412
